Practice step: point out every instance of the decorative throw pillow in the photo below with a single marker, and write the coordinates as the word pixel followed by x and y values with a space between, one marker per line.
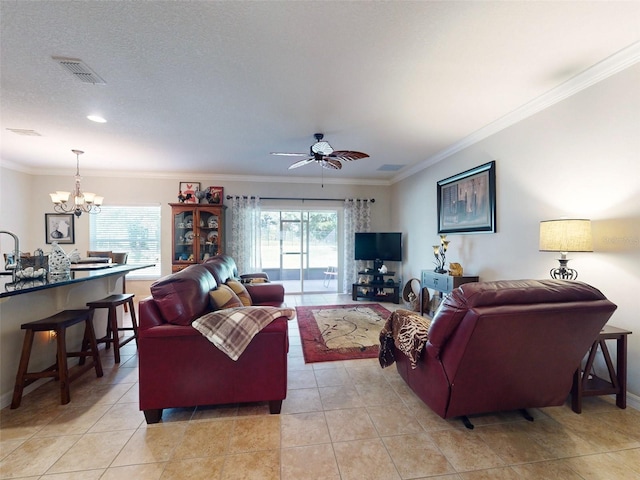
pixel 241 291
pixel 224 297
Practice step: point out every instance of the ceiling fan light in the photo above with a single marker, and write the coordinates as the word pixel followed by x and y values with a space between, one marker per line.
pixel 96 118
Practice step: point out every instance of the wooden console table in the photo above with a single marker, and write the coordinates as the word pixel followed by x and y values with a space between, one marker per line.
pixel 442 284
pixel 586 384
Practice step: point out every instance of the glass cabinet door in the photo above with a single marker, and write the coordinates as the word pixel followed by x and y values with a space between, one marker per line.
pixel 209 234
pixel 185 236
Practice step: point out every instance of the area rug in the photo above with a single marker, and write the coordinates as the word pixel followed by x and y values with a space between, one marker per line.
pixel 340 332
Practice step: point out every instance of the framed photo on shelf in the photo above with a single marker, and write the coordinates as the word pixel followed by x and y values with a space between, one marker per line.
pixel 59 227
pixel 188 192
pixel 467 201
pixel 216 195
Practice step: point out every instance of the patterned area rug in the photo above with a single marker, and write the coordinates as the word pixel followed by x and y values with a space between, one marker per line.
pixel 341 332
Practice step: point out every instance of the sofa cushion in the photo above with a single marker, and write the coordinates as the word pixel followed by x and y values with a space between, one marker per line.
pixel 223 297
pixel 184 296
pixel 240 291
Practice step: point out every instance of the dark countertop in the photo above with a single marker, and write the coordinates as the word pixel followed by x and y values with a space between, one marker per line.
pixel 77 275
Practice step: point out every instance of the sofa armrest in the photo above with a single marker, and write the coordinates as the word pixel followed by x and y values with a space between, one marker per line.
pixel 254 278
pixel 148 314
pixel 266 293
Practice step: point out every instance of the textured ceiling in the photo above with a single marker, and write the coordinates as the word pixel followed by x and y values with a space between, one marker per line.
pixel 213 87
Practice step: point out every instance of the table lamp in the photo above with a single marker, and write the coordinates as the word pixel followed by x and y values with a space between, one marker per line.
pixel 565 235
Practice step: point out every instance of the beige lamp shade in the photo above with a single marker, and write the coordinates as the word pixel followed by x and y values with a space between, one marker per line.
pixel 566 235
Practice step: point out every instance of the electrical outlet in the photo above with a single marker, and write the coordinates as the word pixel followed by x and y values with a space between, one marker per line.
pixel 52 336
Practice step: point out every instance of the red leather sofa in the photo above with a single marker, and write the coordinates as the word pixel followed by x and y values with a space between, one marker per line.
pixel 179 367
pixel 506 345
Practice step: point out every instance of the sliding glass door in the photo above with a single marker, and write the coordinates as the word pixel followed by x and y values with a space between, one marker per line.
pixel 299 247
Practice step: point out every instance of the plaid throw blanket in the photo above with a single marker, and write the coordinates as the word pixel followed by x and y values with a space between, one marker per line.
pixel 232 329
pixel 409 331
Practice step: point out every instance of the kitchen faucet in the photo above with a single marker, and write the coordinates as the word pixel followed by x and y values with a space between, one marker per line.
pixel 16 253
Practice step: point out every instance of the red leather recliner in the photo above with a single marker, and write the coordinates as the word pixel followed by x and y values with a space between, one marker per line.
pixel 179 367
pixel 506 345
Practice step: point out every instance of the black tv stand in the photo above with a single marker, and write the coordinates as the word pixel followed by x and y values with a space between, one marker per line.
pixel 376 288
pixel 377 264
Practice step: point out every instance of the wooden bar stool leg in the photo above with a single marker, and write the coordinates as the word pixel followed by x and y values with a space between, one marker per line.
pixel 63 368
pixel 115 335
pixel 22 369
pixel 93 344
pixel 134 321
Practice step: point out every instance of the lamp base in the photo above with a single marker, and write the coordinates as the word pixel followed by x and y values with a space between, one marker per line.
pixel 562 272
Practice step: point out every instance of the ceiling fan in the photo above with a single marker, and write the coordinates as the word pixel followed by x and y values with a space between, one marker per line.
pixel 324 154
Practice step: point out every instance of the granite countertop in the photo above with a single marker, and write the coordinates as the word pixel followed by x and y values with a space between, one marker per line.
pixel 81 273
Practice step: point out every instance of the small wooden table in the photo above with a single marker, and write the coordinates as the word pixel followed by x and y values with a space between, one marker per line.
pixel 586 384
pixel 442 284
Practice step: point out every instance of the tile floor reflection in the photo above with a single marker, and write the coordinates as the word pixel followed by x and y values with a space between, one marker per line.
pixel 341 421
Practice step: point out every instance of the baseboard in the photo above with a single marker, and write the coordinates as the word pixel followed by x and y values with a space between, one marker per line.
pixel 633 401
pixel 5 400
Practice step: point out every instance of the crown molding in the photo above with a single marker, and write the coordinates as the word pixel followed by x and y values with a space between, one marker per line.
pixel 203 176
pixel 602 70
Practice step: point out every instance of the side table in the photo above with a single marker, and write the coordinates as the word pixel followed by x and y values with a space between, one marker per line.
pixel 586 384
pixel 442 284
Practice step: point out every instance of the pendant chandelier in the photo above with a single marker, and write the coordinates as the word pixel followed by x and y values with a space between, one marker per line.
pixel 82 202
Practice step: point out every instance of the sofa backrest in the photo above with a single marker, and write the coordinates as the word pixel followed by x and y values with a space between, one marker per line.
pixel 222 267
pixel 514 344
pixel 184 296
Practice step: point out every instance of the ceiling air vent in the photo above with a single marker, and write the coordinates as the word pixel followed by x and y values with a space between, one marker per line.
pixel 80 70
pixel 25 132
pixel 390 167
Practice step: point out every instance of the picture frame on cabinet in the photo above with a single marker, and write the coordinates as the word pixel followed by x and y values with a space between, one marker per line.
pixel 215 195
pixel 188 191
pixel 59 227
pixel 467 201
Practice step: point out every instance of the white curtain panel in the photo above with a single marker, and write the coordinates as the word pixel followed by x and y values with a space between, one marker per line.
pixel 357 218
pixel 244 244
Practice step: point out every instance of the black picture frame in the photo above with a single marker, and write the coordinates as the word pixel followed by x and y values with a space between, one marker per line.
pixel 467 201
pixel 60 227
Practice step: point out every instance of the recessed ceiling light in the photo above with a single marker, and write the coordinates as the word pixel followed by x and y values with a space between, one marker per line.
pixel 96 118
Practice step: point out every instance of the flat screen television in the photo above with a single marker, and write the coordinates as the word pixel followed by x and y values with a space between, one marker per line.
pixel 378 246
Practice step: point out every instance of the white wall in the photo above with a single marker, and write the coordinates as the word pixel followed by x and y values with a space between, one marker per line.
pixel 579 158
pixel 29 226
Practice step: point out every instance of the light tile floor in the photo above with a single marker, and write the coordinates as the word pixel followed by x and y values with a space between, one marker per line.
pixel 341 420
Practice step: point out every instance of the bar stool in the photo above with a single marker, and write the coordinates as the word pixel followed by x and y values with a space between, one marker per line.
pixel 112 302
pixel 60 370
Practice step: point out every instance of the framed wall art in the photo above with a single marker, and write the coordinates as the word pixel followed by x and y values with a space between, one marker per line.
pixel 467 201
pixel 188 192
pixel 216 195
pixel 59 227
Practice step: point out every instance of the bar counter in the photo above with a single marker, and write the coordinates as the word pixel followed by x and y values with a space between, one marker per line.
pixel 32 299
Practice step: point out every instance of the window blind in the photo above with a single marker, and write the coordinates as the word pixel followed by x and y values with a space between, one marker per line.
pixel 132 229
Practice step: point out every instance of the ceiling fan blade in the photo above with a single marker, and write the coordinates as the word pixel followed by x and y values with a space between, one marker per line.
pixel 347 155
pixel 301 163
pixel 290 154
pixel 331 164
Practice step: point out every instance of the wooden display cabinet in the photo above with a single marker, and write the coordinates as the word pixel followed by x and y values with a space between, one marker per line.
pixel 197 233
